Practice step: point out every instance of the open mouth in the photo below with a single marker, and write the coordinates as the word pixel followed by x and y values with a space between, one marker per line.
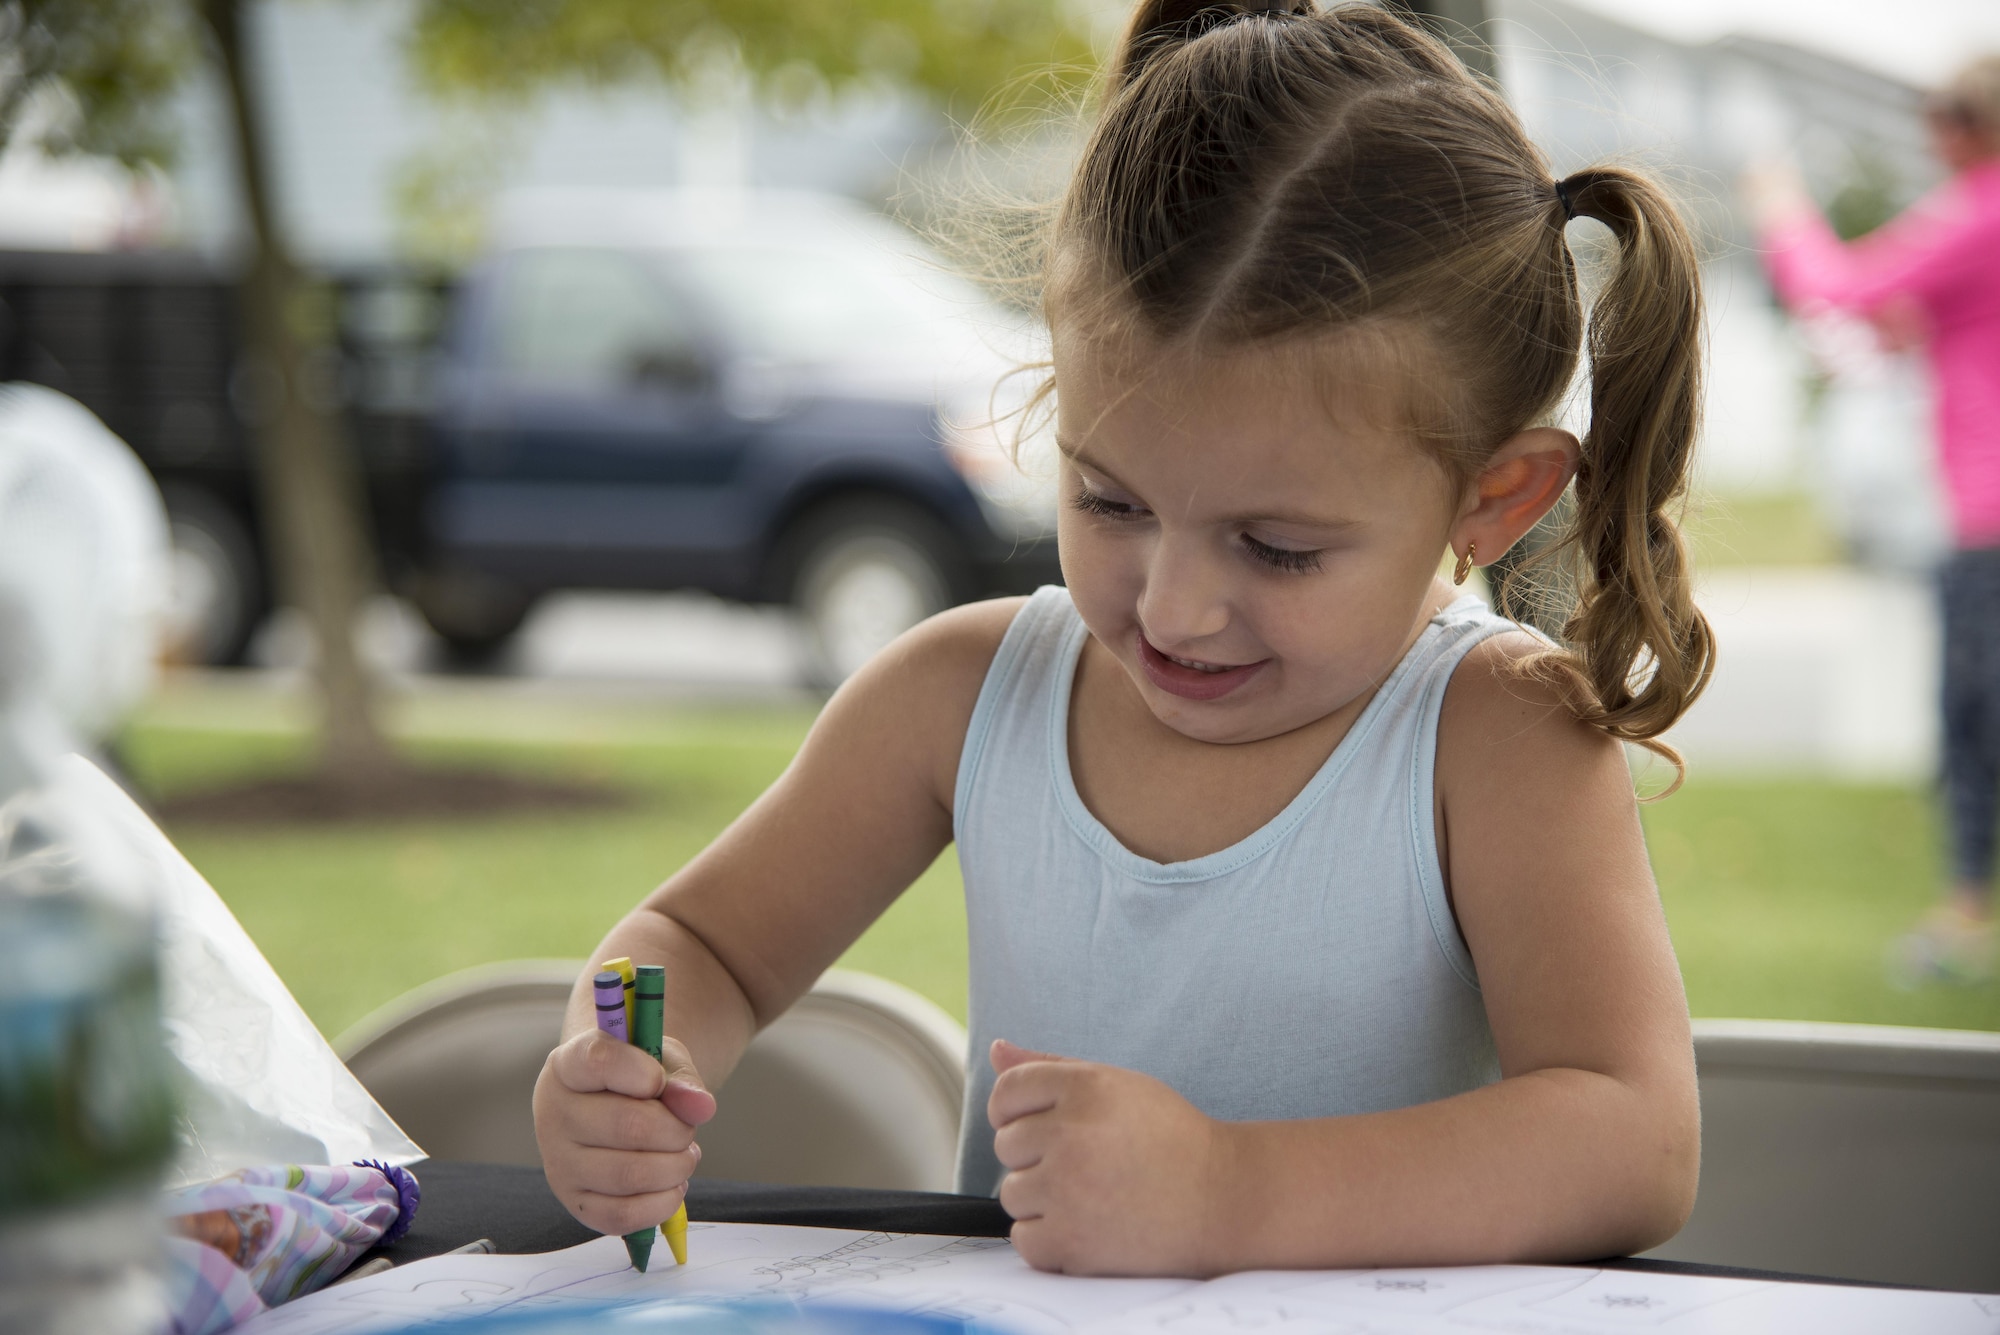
pixel 1193 678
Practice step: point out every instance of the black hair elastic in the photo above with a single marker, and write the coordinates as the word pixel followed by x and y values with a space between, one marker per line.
pixel 1562 198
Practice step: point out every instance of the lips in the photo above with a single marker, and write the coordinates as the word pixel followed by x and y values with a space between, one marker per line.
pixel 1192 679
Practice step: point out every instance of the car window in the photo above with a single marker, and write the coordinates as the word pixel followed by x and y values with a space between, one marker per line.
pixel 827 304
pixel 591 319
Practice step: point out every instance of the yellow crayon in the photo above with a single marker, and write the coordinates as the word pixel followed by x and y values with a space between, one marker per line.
pixel 622 966
pixel 676 1230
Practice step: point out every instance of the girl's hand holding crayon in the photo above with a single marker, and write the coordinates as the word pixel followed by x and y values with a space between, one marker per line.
pixel 1109 1172
pixel 616 1129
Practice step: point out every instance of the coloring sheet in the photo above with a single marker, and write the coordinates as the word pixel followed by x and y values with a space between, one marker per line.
pixel 981 1279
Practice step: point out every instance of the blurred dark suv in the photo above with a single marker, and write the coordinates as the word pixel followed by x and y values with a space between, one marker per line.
pixel 775 397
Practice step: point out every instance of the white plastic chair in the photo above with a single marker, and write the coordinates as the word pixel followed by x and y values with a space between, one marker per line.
pixel 859 1084
pixel 1856 1151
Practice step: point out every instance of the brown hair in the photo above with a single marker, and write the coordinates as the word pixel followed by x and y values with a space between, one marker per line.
pixel 1972 100
pixel 1272 172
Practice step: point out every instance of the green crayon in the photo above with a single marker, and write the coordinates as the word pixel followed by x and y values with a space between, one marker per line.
pixel 649 1004
pixel 649 1000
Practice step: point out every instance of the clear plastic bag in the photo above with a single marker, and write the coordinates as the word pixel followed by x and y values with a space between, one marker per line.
pixel 258 1083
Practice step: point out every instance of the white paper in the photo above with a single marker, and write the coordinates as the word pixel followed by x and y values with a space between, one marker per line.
pixel 982 1279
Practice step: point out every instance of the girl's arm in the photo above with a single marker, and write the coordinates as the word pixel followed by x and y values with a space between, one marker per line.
pixel 1922 254
pixel 747 926
pixel 1588 1146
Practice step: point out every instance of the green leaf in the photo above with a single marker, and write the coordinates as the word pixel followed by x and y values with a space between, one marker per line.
pixel 98 73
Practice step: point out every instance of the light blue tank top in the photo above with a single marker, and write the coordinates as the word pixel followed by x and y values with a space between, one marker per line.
pixel 1311 970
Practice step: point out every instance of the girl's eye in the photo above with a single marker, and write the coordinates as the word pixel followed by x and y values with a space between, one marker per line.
pixel 1091 503
pixel 1281 558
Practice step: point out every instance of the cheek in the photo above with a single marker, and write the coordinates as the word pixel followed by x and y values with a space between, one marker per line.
pixel 1098 568
pixel 1347 620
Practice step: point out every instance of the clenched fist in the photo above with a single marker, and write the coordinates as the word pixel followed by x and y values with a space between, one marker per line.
pixel 616 1129
pixel 1109 1172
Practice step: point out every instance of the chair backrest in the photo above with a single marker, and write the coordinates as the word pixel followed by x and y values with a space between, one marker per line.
pixel 1856 1151
pixel 859 1084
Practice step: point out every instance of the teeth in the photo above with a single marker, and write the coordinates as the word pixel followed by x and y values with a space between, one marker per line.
pixel 1198 667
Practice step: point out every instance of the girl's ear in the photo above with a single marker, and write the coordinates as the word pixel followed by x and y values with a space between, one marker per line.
pixel 1520 483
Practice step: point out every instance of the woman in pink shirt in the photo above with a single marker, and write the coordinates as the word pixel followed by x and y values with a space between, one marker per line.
pixel 1933 275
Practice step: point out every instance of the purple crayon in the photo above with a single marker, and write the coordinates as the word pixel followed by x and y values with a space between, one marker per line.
pixel 610 989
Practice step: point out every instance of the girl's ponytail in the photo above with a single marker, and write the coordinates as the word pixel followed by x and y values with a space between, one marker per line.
pixel 1642 647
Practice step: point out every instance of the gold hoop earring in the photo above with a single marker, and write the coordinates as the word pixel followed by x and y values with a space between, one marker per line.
pixel 1464 566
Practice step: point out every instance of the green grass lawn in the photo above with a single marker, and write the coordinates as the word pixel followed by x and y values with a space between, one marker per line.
pixel 1781 894
pixel 351 916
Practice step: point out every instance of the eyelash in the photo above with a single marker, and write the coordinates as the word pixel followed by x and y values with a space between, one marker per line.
pixel 1278 558
pixel 1093 504
pixel 1281 558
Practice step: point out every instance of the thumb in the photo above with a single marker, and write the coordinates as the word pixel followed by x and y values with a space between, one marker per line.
pixel 1006 1056
pixel 686 1096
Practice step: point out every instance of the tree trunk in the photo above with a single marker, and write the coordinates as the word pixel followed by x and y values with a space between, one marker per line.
pixel 314 521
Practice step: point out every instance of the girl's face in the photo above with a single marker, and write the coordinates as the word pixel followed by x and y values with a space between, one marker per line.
pixel 1256 553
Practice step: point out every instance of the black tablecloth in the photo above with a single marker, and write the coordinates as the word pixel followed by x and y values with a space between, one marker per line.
pixel 513 1206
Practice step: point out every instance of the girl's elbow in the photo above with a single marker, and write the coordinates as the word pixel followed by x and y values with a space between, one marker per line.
pixel 1662 1197
pixel 1663 1216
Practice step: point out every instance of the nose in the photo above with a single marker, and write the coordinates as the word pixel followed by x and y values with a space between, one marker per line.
pixel 1186 598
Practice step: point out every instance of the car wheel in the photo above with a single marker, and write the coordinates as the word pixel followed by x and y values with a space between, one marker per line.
pixel 215 582
pixel 866 572
pixel 474 615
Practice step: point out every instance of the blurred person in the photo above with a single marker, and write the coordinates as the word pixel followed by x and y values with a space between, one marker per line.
pixel 1326 883
pixel 1931 277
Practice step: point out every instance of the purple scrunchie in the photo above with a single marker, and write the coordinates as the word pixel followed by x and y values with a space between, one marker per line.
pixel 408 1195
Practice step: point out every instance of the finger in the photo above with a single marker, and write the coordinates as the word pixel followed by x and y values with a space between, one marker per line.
pixel 1006 1056
pixel 686 1094
pixel 628 1173
pixel 1022 1143
pixel 594 1061
pixel 1029 1089
pixel 1021 1196
pixel 625 1214
pixel 615 1122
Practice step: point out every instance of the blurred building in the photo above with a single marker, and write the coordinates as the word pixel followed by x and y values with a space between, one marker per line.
pixel 1594 89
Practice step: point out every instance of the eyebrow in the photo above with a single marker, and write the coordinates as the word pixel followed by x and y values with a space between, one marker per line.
pixel 1296 518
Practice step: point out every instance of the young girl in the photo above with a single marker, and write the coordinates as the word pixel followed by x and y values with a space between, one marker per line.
pixel 1310 917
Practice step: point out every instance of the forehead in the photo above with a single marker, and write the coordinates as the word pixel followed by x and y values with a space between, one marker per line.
pixel 1284 414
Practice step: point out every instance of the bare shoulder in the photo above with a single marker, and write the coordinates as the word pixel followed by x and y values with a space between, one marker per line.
pixel 937 666
pixel 1532 805
pixel 918 694
pixel 956 645
pixel 1499 718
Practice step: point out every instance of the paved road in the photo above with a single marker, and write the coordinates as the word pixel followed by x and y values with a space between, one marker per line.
pixel 674 645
